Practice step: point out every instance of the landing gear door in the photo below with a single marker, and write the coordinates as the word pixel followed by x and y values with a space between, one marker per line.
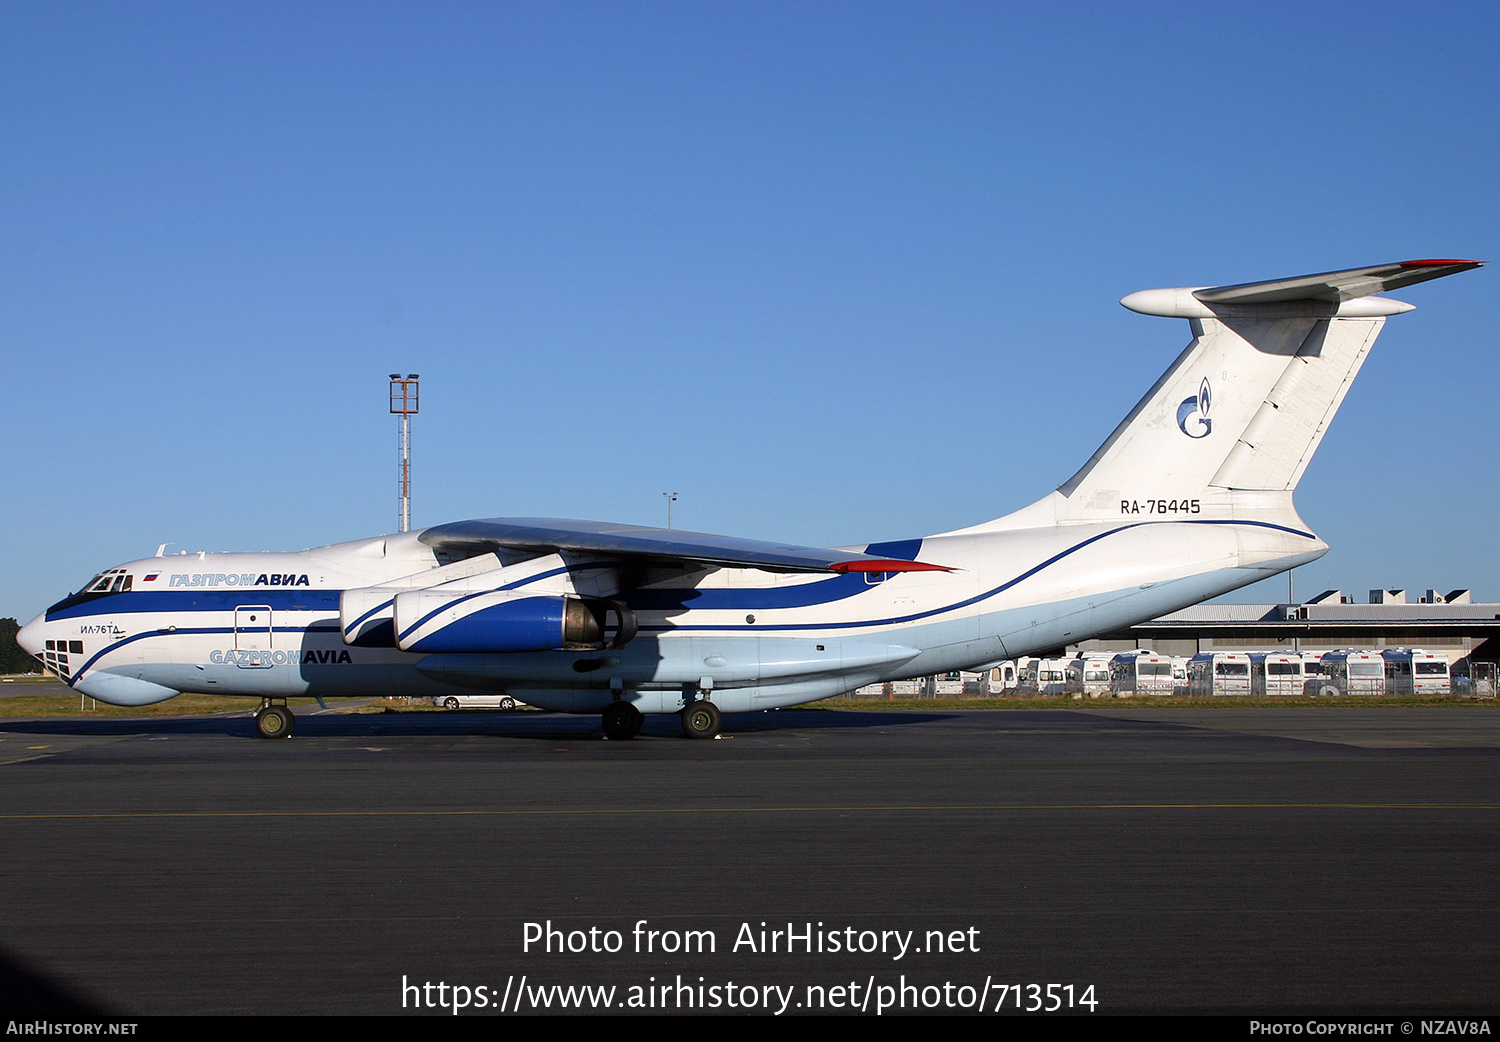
pixel 252 628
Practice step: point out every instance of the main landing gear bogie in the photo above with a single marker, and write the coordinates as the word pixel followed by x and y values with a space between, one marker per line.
pixel 702 719
pixel 622 721
pixel 274 721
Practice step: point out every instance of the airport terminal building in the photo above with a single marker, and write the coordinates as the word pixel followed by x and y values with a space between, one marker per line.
pixel 1441 643
pixel 1452 625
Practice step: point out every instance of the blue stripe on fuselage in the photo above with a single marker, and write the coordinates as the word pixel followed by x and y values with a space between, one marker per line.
pixel 737 598
pixel 202 600
pixel 191 631
pixel 825 591
pixel 805 595
pixel 899 550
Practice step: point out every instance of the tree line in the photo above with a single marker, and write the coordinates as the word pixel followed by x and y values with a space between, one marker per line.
pixel 12 658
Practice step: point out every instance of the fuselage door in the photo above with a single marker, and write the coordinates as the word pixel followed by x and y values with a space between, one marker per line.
pixel 252 628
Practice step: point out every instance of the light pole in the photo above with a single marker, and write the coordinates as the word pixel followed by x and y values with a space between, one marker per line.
pixel 404 402
pixel 671 498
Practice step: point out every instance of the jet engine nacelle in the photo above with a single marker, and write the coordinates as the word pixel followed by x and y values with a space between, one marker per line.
pixel 430 621
pixel 365 617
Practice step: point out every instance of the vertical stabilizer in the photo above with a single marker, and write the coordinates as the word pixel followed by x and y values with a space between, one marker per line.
pixel 1232 425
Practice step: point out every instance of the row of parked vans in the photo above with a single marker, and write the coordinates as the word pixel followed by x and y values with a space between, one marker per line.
pixel 1395 671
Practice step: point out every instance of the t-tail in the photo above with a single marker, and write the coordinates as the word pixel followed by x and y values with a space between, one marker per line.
pixel 1229 429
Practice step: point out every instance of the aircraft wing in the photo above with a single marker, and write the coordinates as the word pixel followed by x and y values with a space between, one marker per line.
pixel 548 535
pixel 1336 286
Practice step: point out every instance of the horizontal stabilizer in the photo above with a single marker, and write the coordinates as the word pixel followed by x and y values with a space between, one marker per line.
pixel 1335 287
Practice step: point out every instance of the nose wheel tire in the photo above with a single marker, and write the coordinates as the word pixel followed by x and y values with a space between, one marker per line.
pixel 701 719
pixel 275 722
pixel 622 721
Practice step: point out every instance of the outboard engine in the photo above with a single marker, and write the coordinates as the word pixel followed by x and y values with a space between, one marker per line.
pixel 430 621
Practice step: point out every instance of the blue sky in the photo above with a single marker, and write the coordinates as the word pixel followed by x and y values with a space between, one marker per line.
pixel 833 272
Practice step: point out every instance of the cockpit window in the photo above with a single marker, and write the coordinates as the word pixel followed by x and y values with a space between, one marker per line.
pixel 116 580
pixel 113 581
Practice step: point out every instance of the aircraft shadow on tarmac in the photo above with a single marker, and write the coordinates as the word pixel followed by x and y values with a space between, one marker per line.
pixel 26 993
pixel 533 725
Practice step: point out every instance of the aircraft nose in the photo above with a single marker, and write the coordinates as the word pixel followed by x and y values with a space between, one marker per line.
pixel 30 636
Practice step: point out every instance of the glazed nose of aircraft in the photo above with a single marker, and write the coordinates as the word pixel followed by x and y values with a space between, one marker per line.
pixel 30 636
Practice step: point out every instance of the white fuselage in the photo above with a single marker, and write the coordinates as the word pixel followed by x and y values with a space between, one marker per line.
pixel 267 624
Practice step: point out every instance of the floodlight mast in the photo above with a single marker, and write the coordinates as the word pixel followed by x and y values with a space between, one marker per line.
pixel 404 402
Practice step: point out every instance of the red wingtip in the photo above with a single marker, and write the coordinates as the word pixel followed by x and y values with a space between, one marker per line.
pixel 888 566
pixel 1435 263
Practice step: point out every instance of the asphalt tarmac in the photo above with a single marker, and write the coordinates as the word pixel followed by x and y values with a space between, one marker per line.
pixel 1250 861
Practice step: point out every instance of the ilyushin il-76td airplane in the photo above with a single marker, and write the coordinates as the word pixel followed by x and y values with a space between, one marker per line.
pixel 1189 498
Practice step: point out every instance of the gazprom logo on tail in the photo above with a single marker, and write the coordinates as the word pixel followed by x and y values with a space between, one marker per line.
pixel 1192 414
